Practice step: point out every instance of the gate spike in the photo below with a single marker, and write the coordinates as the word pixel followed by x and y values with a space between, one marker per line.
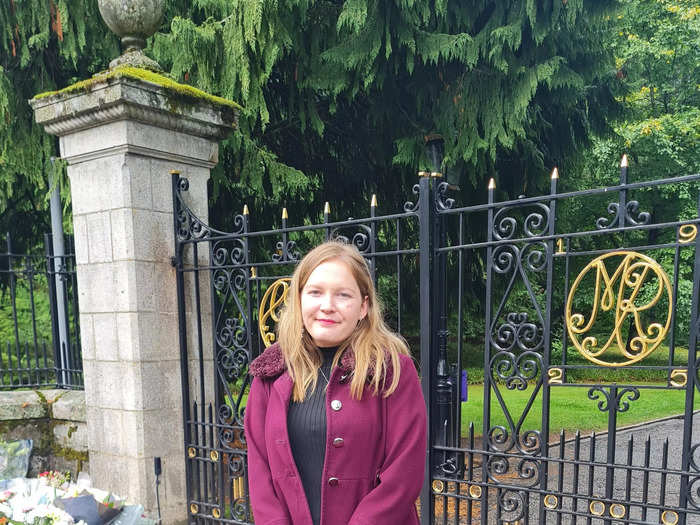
pixel 246 211
pixel 374 200
pixel 492 184
pixel 327 208
pixel 555 173
pixel 624 162
pixel 285 215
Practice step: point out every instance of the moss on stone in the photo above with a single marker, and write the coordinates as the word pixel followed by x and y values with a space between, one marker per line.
pixel 8 426
pixel 70 454
pixel 180 90
pixel 46 446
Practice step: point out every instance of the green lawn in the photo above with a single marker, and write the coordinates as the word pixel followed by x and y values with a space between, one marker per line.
pixel 473 362
pixel 570 408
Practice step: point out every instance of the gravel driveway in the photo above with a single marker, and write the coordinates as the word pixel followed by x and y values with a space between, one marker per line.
pixel 656 445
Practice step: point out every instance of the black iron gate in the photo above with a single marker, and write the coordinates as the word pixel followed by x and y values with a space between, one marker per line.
pixel 602 319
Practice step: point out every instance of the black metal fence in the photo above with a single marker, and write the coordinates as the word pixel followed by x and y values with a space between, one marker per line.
pixel 608 310
pixel 589 296
pixel 39 332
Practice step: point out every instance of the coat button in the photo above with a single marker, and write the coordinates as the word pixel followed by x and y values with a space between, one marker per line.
pixel 336 405
pixel 333 482
pixel 338 442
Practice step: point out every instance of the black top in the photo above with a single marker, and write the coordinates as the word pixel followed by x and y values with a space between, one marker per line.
pixel 306 425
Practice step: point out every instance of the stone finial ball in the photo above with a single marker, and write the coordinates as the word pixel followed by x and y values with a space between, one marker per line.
pixel 132 20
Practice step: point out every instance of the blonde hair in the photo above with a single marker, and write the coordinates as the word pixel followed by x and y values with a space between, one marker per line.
pixel 375 346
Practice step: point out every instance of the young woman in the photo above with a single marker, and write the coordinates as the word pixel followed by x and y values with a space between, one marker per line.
pixel 335 421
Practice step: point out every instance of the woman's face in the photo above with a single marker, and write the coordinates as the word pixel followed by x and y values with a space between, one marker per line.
pixel 331 303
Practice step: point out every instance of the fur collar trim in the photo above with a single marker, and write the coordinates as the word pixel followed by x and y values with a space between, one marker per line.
pixel 268 364
pixel 271 363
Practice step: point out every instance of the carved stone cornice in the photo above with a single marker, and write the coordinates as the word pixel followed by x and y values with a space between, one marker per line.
pixel 121 98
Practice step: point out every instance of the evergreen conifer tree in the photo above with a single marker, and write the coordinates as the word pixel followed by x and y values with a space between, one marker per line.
pixel 338 96
pixel 44 45
pixel 343 93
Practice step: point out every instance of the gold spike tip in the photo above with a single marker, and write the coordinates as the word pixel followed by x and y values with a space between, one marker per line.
pixel 246 211
pixel 174 172
pixel 492 184
pixel 327 208
pixel 555 173
pixel 624 162
pixel 285 215
pixel 424 174
pixel 374 200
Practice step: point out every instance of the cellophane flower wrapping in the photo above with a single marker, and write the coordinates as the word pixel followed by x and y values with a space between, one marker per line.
pixel 38 501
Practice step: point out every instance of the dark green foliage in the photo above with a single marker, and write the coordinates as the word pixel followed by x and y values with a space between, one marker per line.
pixel 656 46
pixel 345 93
pixel 338 97
pixel 44 45
pixel 23 305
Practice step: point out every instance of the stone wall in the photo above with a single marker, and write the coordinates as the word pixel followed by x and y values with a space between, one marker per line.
pixel 54 420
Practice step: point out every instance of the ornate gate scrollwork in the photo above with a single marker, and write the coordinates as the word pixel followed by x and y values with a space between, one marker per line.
pixel 273 300
pixel 635 272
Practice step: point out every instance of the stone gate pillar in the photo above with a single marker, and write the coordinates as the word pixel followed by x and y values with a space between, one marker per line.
pixel 121 136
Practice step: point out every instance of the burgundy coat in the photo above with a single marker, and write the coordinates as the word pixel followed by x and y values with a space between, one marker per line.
pixel 372 474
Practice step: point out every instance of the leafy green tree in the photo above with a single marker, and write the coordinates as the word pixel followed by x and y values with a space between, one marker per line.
pixel 657 49
pixel 656 44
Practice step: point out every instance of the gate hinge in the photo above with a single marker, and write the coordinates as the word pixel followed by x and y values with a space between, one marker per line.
pixel 173 261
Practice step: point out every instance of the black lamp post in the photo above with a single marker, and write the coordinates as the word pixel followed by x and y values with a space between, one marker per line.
pixel 445 391
pixel 435 151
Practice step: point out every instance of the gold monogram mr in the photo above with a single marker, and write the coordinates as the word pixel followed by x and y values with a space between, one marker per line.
pixel 621 292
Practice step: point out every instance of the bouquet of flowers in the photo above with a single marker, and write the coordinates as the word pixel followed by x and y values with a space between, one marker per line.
pixel 53 499
pixel 55 479
pixel 41 515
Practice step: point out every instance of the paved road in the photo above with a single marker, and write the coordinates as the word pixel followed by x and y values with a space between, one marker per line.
pixel 657 445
